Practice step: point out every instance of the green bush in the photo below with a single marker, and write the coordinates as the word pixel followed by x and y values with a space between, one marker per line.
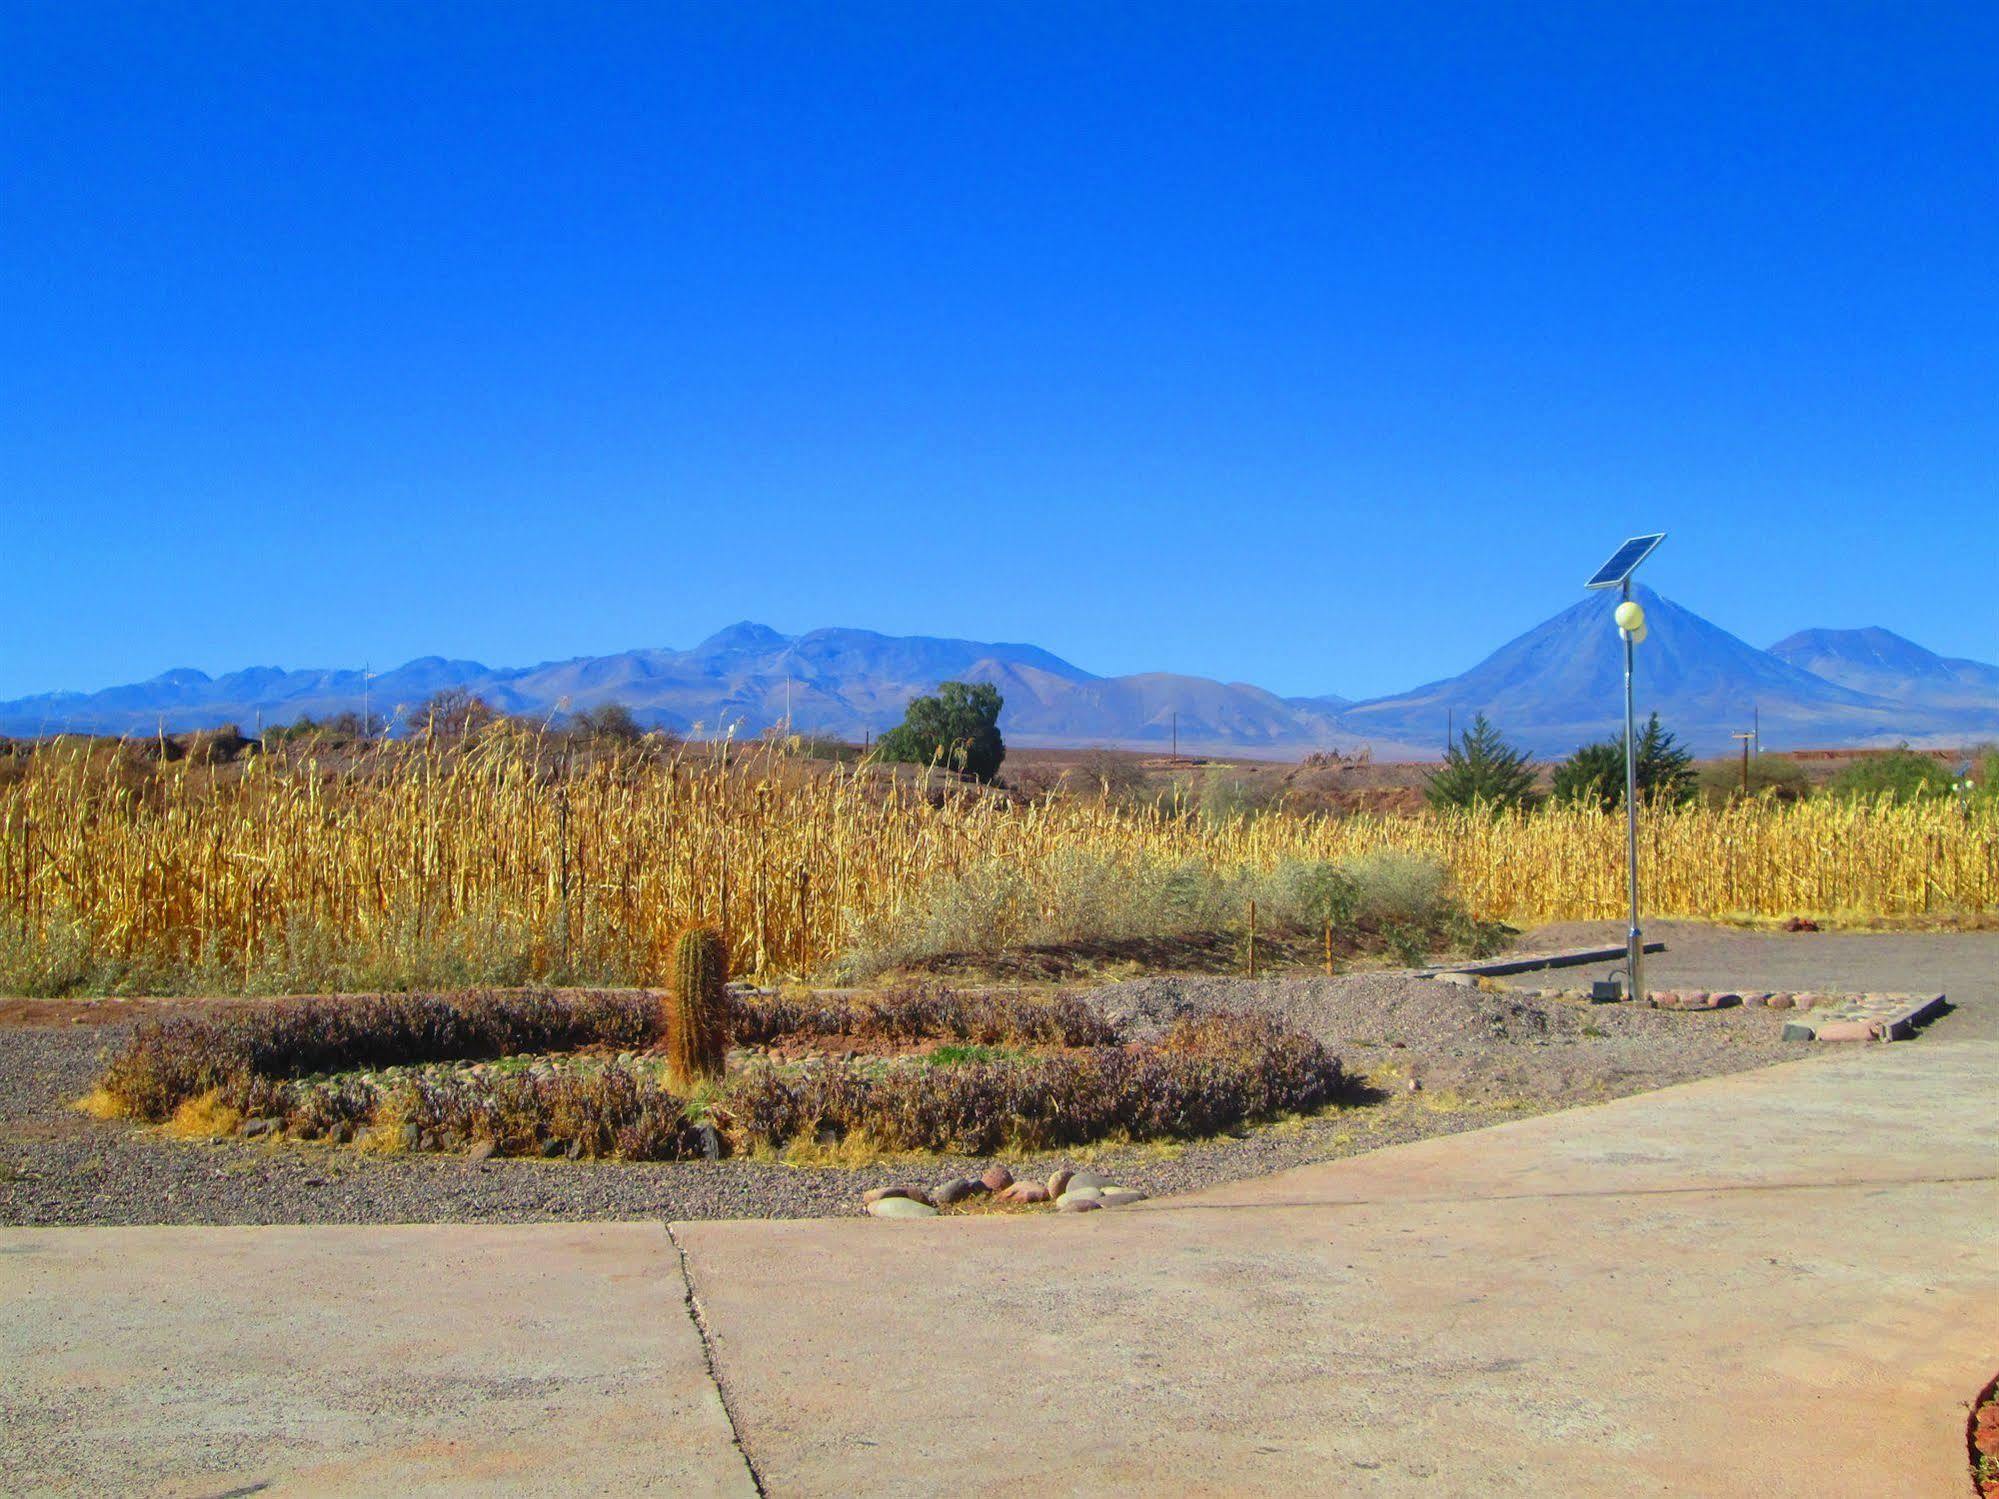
pixel 958 728
pixel 1901 774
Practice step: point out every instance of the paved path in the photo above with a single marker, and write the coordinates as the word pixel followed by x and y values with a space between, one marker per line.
pixel 1777 1282
pixel 212 1361
pixel 1774 1282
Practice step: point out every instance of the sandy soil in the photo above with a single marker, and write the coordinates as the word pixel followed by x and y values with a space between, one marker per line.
pixel 1437 1058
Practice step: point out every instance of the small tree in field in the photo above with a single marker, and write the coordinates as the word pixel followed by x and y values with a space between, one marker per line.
pixel 958 728
pixel 1595 773
pixel 1482 769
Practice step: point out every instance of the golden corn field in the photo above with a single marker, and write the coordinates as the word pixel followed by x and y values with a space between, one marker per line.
pixel 593 870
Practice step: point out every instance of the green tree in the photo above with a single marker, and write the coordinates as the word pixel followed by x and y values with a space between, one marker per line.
pixel 1901 774
pixel 1595 773
pixel 1482 769
pixel 959 728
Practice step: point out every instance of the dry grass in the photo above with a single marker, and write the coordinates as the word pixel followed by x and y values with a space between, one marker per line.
pixel 421 865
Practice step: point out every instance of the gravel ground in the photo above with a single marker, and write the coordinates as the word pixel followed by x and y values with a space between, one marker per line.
pixel 1473 1058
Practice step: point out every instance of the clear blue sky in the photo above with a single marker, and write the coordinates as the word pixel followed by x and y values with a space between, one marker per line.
pixel 1315 345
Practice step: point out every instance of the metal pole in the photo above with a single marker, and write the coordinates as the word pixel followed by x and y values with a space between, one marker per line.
pixel 1635 943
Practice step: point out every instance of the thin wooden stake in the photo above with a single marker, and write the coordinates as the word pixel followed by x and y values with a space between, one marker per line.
pixel 1252 939
pixel 1329 947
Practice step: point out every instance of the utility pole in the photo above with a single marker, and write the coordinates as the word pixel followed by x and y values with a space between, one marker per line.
pixel 1756 710
pixel 1745 738
pixel 1450 728
pixel 1176 734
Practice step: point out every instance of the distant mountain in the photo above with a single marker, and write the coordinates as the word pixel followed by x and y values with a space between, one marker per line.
pixel 1554 687
pixel 1882 663
pixel 836 681
pixel 1561 684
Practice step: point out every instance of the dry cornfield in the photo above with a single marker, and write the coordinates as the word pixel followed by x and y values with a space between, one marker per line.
pixel 591 871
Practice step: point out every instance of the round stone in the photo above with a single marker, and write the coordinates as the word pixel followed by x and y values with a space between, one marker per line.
pixel 1724 1001
pixel 1117 1197
pixel 997 1178
pixel 1081 1194
pixel 1058 1182
pixel 1781 1001
pixel 1025 1192
pixel 957 1189
pixel 901 1207
pixel 1846 1030
pixel 1085 1179
pixel 1071 1203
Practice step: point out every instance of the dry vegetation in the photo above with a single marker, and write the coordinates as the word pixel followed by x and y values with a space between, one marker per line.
pixel 497 861
pixel 1049 1074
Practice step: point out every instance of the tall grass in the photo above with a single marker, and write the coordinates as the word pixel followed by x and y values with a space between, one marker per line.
pixel 423 865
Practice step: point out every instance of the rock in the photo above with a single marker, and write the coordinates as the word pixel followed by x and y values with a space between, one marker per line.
pixel 483 1151
pixel 1801 924
pixel 901 1207
pixel 1058 1183
pixel 1723 1001
pixel 957 1189
pixel 1117 1197
pixel 977 1187
pixel 252 1128
pixel 1846 1030
pixel 408 1137
pixel 997 1178
pixel 1071 1203
pixel 1807 999
pixel 1780 1001
pixel 1756 999
pixel 1415 1085
pixel 711 1141
pixel 1695 999
pixel 1028 1192
pixel 551 1149
pixel 1082 1194
pixel 1085 1179
pixel 1797 1030
pixel 882 1194
pixel 1461 980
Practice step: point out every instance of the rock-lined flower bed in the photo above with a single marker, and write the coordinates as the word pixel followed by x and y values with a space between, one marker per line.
pixel 581 1075
pixel 1982 1438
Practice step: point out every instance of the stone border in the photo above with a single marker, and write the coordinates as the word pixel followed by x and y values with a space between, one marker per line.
pixel 1859 1017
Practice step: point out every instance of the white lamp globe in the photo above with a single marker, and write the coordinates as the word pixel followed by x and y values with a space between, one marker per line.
pixel 1630 616
pixel 1638 635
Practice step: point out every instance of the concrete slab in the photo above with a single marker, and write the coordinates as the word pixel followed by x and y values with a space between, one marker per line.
pixel 522 1359
pixel 1777 1282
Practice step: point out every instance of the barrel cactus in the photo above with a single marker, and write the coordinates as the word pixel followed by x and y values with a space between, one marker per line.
pixel 697 1027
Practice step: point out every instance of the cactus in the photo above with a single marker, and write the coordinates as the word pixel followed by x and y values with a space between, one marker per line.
pixel 697 1029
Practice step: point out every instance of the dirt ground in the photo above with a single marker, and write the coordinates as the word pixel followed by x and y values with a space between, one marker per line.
pixel 1436 1058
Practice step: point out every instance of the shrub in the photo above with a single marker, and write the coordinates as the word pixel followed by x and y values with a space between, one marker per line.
pixel 1206 1076
pixel 1395 887
pixel 1782 779
pixel 916 1014
pixel 1481 770
pixel 1901 775
pixel 167 1062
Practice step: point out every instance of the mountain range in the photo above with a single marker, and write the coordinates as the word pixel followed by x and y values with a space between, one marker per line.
pixel 1550 689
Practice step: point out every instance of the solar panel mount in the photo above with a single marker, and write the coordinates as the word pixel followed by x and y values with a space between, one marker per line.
pixel 1624 561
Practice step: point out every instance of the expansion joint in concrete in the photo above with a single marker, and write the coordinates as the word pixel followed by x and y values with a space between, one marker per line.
pixel 694 1315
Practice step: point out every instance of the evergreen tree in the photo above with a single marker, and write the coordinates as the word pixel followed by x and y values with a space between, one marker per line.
pixel 1482 769
pixel 958 728
pixel 1595 773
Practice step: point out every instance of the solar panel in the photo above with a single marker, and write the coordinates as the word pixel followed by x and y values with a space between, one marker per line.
pixel 1624 561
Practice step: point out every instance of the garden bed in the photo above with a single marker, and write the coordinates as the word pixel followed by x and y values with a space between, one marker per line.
pixel 580 1074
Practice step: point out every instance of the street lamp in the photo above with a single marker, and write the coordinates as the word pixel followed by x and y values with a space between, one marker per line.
pixel 1630 617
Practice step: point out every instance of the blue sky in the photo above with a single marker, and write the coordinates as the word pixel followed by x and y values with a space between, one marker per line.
pixel 1314 345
